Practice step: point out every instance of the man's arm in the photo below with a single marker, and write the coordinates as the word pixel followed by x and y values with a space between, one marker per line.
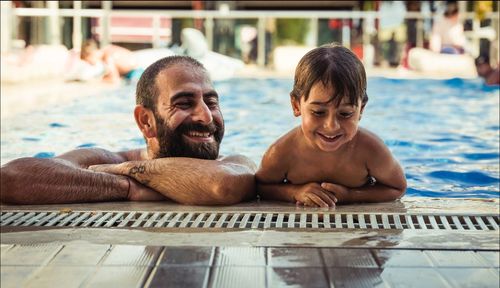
pixel 193 181
pixel 63 179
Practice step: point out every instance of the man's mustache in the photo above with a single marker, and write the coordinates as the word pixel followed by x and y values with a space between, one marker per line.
pixel 197 127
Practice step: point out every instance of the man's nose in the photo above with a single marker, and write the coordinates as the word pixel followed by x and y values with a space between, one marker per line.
pixel 202 114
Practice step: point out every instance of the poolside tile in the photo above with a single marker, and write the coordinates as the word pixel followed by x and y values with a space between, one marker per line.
pixel 471 277
pixel 340 257
pixel 180 276
pixel 456 258
pixel 16 276
pixel 119 276
pixel 294 257
pixel 60 276
pixel 36 254
pixel 491 257
pixel 241 277
pixel 297 277
pixel 132 255
pixel 80 255
pixel 401 258
pixel 187 256
pixel 240 256
pixel 355 277
pixel 413 277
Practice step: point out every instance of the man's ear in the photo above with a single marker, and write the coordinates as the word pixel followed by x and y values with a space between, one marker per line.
pixel 295 106
pixel 145 120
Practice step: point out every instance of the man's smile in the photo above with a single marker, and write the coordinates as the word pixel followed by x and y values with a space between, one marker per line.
pixel 196 136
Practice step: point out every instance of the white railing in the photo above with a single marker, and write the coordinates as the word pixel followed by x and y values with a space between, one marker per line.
pixel 54 14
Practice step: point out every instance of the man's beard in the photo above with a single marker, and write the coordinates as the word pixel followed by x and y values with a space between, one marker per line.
pixel 173 144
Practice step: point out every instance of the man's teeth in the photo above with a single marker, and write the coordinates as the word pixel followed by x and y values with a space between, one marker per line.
pixel 199 134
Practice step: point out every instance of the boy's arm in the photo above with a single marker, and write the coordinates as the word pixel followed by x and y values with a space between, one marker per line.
pixel 390 179
pixel 65 179
pixel 270 185
pixel 226 181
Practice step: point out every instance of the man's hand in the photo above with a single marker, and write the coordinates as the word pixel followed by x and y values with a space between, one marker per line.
pixel 341 193
pixel 136 191
pixel 139 192
pixel 312 194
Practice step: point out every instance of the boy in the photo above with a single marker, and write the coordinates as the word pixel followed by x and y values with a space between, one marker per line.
pixel 328 160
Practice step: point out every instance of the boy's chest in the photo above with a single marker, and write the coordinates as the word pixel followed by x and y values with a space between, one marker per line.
pixel 347 171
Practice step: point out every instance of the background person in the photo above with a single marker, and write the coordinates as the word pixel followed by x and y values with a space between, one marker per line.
pixel 179 116
pixel 447 32
pixel 115 61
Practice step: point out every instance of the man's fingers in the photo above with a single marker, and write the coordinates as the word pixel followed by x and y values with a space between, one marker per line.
pixel 107 168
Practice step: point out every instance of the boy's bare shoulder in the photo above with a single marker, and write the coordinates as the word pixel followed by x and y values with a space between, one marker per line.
pixel 372 148
pixel 283 145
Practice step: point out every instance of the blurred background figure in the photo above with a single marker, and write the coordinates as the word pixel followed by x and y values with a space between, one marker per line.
pixel 490 75
pixel 448 32
pixel 112 61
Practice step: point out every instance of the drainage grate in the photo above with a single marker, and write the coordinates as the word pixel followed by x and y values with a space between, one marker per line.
pixel 248 220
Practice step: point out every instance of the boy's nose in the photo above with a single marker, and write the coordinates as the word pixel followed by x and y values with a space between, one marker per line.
pixel 331 123
pixel 202 114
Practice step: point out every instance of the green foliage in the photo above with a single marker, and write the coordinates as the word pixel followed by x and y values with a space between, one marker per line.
pixel 291 31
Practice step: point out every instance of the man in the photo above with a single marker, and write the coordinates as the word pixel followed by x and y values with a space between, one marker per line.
pixel 484 69
pixel 179 116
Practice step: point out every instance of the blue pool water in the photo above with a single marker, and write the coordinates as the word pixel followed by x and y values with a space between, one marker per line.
pixel 445 133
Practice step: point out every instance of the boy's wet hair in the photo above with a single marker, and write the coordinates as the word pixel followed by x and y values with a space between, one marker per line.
pixel 147 92
pixel 333 65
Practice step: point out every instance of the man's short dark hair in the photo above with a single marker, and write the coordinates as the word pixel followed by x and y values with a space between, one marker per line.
pixel 147 92
pixel 333 65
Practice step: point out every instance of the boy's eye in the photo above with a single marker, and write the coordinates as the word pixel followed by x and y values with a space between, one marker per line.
pixel 318 112
pixel 346 114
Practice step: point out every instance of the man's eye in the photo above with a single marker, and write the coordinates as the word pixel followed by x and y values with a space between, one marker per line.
pixel 346 114
pixel 318 112
pixel 213 103
pixel 183 105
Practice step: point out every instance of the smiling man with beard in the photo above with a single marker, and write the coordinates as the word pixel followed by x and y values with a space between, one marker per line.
pixel 179 116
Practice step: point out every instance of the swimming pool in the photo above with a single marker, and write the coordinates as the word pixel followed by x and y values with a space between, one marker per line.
pixel 445 133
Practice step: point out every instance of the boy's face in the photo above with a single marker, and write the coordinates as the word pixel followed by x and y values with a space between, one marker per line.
pixel 324 125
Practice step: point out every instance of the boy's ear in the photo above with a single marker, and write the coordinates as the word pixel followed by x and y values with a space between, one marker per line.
pixel 361 111
pixel 295 106
pixel 145 120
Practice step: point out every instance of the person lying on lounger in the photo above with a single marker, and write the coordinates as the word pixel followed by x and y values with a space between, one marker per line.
pixel 179 116
pixel 114 61
pixel 328 159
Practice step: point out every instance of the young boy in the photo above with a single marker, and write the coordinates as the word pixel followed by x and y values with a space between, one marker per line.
pixel 328 160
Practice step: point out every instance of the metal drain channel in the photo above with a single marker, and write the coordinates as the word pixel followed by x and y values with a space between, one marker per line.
pixel 245 220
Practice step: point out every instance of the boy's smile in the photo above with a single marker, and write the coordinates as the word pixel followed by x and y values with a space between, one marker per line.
pixel 326 126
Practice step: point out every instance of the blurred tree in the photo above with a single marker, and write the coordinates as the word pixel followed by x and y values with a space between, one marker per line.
pixel 291 31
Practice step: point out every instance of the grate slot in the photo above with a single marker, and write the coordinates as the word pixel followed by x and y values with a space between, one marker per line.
pixel 127 219
pixel 373 221
pixel 185 222
pixel 256 221
pixel 397 222
pixel 12 218
pixel 140 220
pixel 163 221
pixel 279 220
pixel 68 219
pixel 385 221
pixel 113 221
pixel 303 221
pixel 326 221
pixel 33 220
pixel 244 221
pixel 456 223
pixel 350 221
pixel 268 220
pixel 56 219
pixel 6 215
pixel 23 219
pixel 291 221
pixel 152 219
pixel 75 223
pixel 314 221
pixel 175 220
pixel 233 220
pixel 480 222
pixel 469 223
pixel 102 219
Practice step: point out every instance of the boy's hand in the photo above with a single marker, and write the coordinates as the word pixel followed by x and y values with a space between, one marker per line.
pixel 340 192
pixel 311 194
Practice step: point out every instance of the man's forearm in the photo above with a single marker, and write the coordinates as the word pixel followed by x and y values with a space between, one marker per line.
pixel 52 181
pixel 191 181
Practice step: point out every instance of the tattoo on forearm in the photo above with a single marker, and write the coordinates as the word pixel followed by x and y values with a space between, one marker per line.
pixel 137 169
